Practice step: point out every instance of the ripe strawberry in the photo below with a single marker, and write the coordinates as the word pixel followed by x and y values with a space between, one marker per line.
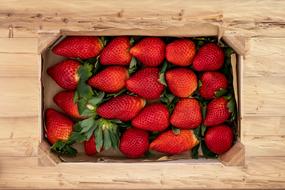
pixel 145 83
pixel 64 100
pixel 219 139
pixel 110 80
pixel 65 74
pixel 217 112
pixel 134 143
pixel 117 52
pixel 181 82
pixel 58 127
pixel 150 51
pixel 186 114
pixel 210 57
pixel 124 107
pixel 180 52
pixel 90 146
pixel 83 47
pixel 154 117
pixel 211 83
pixel 170 143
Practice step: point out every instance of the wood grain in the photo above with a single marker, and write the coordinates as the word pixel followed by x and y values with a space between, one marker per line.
pixel 264 104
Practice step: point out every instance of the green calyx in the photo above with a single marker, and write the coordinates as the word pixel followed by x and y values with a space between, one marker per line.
pixel 162 74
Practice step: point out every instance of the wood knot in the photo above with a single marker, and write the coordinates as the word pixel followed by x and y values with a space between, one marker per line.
pixel 120 13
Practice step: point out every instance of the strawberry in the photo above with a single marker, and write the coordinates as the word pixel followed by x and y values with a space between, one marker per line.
pixel 170 143
pixel 117 52
pixel 90 146
pixel 217 112
pixel 83 47
pixel 150 51
pixel 154 117
pixel 134 143
pixel 210 57
pixel 145 83
pixel 219 139
pixel 58 127
pixel 212 82
pixel 181 82
pixel 186 114
pixel 65 100
pixel 65 74
pixel 112 79
pixel 180 52
pixel 124 107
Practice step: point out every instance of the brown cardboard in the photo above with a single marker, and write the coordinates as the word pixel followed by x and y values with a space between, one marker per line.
pixel 50 88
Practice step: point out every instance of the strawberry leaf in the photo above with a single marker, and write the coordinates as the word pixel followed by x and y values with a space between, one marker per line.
pixel 62 148
pixel 194 152
pixel 133 66
pixel 162 74
pixel 206 152
pixel 76 137
pixel 107 140
pixel 76 97
pixel 231 105
pixel 204 111
pixel 98 138
pixel 220 92
pixel 203 130
pixel 176 131
pixel 132 41
pixel 86 124
pixel 95 100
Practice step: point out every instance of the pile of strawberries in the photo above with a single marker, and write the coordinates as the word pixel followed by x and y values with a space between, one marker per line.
pixel 141 95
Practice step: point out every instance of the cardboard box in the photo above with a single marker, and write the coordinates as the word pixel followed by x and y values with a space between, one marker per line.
pixel 234 157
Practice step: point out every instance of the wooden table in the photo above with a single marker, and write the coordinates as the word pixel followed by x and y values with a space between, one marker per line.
pixel 263 124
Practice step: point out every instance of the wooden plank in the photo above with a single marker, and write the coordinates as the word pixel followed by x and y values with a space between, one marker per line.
pixel 264 145
pixel 264 61
pixel 264 96
pixel 15 65
pixel 263 126
pixel 31 16
pixel 16 162
pixel 19 147
pixel 19 45
pixel 19 127
pixel 20 97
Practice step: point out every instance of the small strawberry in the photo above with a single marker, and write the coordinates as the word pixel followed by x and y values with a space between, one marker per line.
pixel 117 52
pixel 134 143
pixel 180 52
pixel 170 143
pixel 124 107
pixel 83 47
pixel 212 82
pixel 145 83
pixel 186 114
pixel 150 51
pixel 219 139
pixel 65 100
pixel 181 82
pixel 65 74
pixel 58 127
pixel 90 146
pixel 154 117
pixel 210 57
pixel 218 112
pixel 112 79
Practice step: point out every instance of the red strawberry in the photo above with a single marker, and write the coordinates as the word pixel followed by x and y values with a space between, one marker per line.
pixel 219 139
pixel 210 57
pixel 181 82
pixel 110 80
pixel 64 100
pixel 83 47
pixel 117 52
pixel 65 74
pixel 124 107
pixel 134 143
pixel 171 143
pixel 145 83
pixel 58 127
pixel 150 51
pixel 90 146
pixel 154 117
pixel 180 52
pixel 186 114
pixel 217 112
pixel 211 83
